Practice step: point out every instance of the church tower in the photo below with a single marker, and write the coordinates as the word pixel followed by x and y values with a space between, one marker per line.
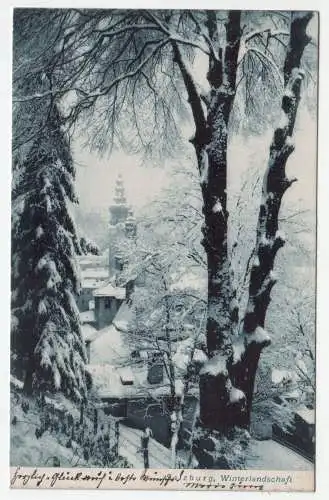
pixel 122 225
pixel 130 224
pixel 119 209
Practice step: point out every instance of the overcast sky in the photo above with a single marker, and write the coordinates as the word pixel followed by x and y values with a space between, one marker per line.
pixel 96 179
pixel 96 176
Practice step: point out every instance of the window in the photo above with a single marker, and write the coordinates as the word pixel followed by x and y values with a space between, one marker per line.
pixel 107 304
pixel 118 262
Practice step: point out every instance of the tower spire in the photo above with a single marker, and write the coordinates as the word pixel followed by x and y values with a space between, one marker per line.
pixel 118 209
pixel 119 192
pixel 122 225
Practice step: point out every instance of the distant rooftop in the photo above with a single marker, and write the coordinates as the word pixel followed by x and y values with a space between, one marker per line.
pixel 117 375
pixel 95 273
pixel 307 415
pixel 92 283
pixel 110 291
pixel 89 332
pixel 90 260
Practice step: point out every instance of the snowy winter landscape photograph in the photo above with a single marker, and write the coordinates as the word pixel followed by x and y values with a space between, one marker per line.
pixel 163 273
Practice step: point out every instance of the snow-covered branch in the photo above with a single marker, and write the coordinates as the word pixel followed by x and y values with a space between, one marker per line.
pixel 276 182
pixel 268 32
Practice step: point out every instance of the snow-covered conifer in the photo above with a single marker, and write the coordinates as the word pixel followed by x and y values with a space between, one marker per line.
pixel 46 334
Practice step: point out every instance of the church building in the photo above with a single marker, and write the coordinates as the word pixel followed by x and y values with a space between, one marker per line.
pixel 122 227
pixel 105 288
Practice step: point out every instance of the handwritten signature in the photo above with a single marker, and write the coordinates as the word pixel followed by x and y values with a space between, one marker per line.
pixel 96 478
pixel 45 479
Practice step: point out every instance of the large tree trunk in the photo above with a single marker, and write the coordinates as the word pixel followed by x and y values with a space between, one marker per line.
pixel 220 402
pixel 269 239
pixel 227 379
pixel 216 410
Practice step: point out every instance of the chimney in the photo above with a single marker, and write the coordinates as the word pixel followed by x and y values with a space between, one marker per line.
pixel 155 368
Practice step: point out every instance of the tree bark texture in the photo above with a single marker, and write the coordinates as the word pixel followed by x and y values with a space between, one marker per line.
pixel 227 379
pixel 216 410
pixel 269 238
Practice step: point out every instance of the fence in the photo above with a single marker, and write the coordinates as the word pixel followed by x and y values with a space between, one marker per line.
pixel 137 447
pixel 141 450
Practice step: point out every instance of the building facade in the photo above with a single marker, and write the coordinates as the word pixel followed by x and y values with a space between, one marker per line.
pixel 122 227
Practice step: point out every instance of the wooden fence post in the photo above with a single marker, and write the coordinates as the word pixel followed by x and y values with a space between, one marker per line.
pixel 42 400
pixel 80 434
pixel 116 440
pixel 144 445
pixel 109 434
pixel 95 420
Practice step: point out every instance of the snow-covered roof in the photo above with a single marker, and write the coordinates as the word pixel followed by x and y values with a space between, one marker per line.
pixel 270 455
pixel 115 382
pixel 91 260
pixel 89 332
pixel 279 376
pixel 87 316
pixel 110 291
pixel 116 374
pixel 95 273
pixel 122 326
pixel 123 318
pixel 108 383
pixel 109 347
pixel 307 415
pixel 92 283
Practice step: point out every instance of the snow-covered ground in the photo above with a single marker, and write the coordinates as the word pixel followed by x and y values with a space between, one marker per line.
pixel 129 446
pixel 51 449
pixel 27 450
pixel 271 455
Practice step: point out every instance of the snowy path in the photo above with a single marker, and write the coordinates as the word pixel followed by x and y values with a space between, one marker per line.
pixel 130 443
pixel 268 454
pixel 273 456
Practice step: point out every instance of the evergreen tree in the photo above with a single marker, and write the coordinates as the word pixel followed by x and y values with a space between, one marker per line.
pixel 47 343
pixel 88 246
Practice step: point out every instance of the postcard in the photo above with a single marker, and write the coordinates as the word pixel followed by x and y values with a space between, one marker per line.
pixel 163 227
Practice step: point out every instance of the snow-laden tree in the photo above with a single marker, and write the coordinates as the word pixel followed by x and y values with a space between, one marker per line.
pixel 46 337
pixel 168 304
pixel 35 35
pixel 168 325
pixel 132 76
pixel 176 217
pixel 88 246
